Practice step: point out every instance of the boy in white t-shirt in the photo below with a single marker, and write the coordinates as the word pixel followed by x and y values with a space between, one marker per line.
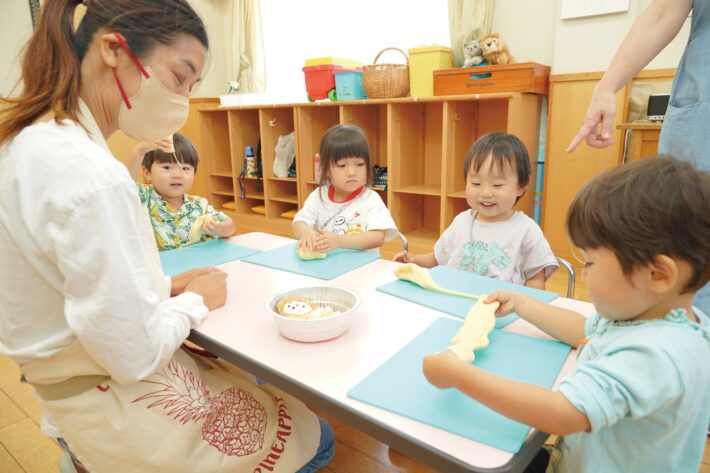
pixel 343 212
pixel 491 239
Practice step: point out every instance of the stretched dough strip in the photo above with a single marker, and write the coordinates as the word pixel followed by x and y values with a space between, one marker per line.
pixel 421 277
pixel 473 335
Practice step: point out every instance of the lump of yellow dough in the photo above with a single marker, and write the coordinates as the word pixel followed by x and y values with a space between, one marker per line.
pixel 421 277
pixel 306 254
pixel 196 228
pixel 473 335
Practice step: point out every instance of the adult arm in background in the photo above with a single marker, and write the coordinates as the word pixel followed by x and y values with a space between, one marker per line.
pixel 134 160
pixel 650 33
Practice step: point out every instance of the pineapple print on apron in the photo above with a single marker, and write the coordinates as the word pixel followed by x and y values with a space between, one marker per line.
pixel 196 414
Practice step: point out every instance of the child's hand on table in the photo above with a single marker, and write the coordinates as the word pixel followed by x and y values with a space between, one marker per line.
pixel 328 241
pixel 404 257
pixel 439 368
pixel 308 240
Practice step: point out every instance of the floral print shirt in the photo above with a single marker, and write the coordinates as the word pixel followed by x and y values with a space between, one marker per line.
pixel 172 227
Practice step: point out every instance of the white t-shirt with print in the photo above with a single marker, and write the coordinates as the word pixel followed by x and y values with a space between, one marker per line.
pixel 364 212
pixel 514 250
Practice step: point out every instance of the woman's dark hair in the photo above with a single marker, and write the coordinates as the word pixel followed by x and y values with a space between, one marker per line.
pixel 185 152
pixel 654 206
pixel 343 141
pixel 51 65
pixel 504 149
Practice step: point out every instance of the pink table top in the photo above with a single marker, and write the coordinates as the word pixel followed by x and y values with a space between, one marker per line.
pixel 382 326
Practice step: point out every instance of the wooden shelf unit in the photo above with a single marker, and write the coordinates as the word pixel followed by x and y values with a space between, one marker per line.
pixel 422 142
pixel 642 140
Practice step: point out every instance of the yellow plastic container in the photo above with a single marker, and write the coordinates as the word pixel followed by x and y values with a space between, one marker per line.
pixel 423 61
pixel 346 63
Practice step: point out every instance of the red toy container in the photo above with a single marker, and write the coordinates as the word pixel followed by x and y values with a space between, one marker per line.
pixel 320 81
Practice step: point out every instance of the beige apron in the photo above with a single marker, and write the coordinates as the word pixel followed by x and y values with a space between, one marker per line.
pixel 192 416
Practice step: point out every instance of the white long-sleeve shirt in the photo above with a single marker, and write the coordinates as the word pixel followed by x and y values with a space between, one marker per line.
pixel 73 265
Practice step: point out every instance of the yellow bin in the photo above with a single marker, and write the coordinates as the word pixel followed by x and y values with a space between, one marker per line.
pixel 423 61
pixel 322 61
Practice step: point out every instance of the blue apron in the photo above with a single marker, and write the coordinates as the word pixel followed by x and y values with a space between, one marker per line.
pixel 686 127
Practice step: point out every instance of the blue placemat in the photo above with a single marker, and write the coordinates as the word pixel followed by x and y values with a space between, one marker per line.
pixel 338 261
pixel 399 385
pixel 207 253
pixel 461 281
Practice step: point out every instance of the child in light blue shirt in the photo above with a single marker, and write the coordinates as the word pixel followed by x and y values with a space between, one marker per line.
pixel 639 397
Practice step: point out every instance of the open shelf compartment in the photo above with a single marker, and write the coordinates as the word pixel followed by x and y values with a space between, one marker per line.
pixel 416 147
pixel 465 122
pixel 244 131
pixel 274 122
pixel 418 218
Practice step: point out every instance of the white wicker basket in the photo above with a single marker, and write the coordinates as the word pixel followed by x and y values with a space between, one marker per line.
pixel 316 330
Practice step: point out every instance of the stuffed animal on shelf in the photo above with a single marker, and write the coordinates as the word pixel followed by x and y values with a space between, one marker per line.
pixel 495 51
pixel 472 53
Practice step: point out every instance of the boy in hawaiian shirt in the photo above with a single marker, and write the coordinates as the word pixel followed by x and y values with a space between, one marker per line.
pixel 169 176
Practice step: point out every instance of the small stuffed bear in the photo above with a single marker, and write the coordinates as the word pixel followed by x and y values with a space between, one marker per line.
pixel 472 53
pixel 495 51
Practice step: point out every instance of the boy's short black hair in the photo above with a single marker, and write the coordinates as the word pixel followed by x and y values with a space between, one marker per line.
pixel 185 152
pixel 654 206
pixel 504 149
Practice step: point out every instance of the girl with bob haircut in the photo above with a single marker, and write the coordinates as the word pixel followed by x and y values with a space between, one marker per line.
pixel 343 212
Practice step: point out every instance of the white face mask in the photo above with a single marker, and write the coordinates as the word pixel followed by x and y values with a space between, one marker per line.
pixel 154 111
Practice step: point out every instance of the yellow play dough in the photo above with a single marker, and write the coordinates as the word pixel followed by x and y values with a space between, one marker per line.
pixel 196 232
pixel 310 254
pixel 473 335
pixel 421 277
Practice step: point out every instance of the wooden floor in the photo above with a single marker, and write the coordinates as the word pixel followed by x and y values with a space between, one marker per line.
pixel 23 448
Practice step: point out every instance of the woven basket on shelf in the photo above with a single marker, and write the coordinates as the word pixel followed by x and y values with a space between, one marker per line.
pixel 384 81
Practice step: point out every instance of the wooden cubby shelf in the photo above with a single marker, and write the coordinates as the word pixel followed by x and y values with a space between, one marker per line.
pixel 425 189
pixel 422 142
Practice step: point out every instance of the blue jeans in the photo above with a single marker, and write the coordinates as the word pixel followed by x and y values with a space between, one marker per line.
pixel 325 452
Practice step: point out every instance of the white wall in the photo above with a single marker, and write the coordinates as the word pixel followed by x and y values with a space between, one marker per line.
pixel 588 44
pixel 528 27
pixel 297 30
pixel 15 30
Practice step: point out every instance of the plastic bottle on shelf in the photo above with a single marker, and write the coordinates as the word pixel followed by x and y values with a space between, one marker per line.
pixel 316 167
pixel 250 161
pixel 248 170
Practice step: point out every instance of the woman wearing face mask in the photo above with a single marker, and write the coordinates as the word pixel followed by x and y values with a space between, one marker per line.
pixel 84 308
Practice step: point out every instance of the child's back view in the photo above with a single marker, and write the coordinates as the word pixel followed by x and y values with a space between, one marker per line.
pixel 173 212
pixel 492 239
